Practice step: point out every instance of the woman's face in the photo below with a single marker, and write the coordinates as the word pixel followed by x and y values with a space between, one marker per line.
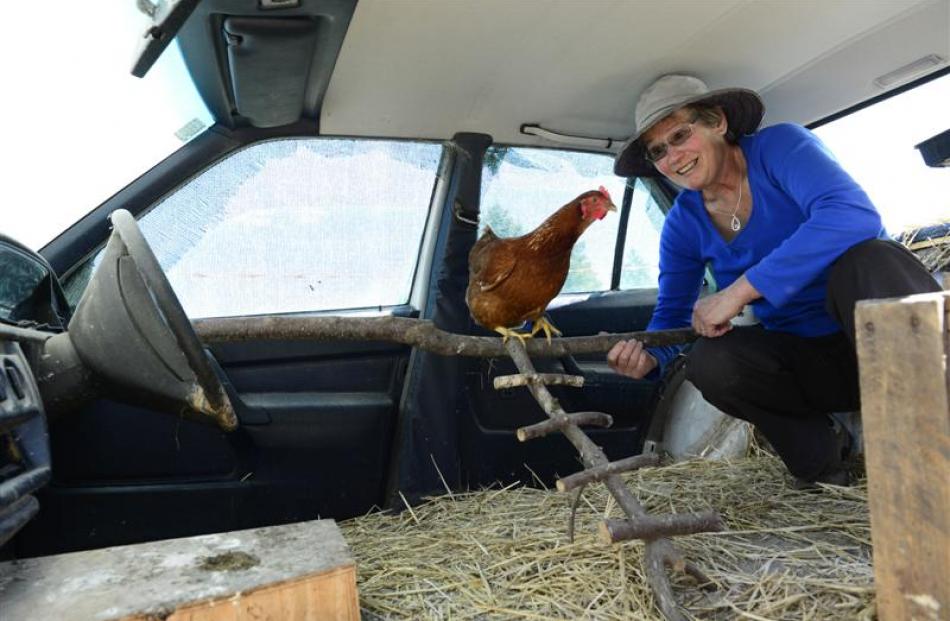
pixel 696 161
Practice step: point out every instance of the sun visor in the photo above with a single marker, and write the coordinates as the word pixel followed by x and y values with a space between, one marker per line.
pixel 270 61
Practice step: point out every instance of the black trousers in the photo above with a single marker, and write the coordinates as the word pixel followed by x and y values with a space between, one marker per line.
pixel 786 385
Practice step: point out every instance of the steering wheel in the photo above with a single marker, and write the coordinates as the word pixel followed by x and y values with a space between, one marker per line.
pixel 209 396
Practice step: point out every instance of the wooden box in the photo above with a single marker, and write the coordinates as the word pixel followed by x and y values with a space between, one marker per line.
pixel 294 572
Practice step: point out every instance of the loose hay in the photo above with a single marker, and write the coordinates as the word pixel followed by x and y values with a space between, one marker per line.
pixel 504 553
pixel 931 245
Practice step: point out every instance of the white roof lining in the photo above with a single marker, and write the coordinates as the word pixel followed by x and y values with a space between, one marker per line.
pixel 426 70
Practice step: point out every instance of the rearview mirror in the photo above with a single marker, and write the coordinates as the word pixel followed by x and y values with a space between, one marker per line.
pixel 29 291
pixel 168 16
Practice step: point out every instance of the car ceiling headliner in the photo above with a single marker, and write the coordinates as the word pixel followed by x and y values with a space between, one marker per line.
pixel 430 69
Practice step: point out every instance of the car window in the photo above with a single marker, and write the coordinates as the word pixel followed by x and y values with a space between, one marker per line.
pixel 876 145
pixel 522 186
pixel 640 268
pixel 295 225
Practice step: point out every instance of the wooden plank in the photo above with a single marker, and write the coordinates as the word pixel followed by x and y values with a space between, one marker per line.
pixel 293 572
pixel 325 597
pixel 902 357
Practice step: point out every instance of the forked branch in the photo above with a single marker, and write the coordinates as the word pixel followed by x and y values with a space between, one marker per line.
pixel 659 553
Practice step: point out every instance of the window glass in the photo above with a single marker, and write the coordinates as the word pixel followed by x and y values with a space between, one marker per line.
pixel 296 225
pixel 522 186
pixel 641 254
pixel 876 145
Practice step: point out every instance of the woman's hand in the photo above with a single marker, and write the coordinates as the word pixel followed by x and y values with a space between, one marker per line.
pixel 630 359
pixel 712 314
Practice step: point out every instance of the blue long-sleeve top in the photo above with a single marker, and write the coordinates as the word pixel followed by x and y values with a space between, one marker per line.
pixel 806 212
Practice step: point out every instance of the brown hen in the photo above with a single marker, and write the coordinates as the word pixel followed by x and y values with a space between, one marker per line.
pixel 512 280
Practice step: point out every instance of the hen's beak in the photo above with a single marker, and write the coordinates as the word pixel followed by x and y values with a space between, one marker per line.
pixel 608 206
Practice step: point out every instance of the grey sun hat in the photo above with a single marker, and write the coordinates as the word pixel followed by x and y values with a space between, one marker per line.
pixel 743 107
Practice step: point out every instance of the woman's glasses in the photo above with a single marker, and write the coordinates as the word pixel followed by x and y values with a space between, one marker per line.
pixel 678 136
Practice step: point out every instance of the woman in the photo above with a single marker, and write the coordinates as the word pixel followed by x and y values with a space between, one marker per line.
pixel 782 227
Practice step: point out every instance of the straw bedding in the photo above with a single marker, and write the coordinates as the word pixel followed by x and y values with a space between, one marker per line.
pixel 931 245
pixel 504 553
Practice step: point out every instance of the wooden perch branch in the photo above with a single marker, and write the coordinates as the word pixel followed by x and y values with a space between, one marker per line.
pixel 548 379
pixel 419 333
pixel 599 474
pixel 659 553
pixel 656 526
pixel 560 423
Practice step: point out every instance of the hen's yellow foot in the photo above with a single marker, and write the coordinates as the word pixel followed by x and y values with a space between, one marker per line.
pixel 506 332
pixel 546 326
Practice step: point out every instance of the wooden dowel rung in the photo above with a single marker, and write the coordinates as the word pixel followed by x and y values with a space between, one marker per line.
pixel 599 473
pixel 548 379
pixel 596 419
pixel 655 526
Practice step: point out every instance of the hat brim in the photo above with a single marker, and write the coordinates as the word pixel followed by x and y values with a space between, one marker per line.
pixel 744 111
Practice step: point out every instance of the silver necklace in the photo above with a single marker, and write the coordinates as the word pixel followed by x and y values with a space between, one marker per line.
pixel 734 223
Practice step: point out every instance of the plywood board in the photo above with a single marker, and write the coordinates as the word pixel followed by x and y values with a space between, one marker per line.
pixel 902 358
pixel 300 571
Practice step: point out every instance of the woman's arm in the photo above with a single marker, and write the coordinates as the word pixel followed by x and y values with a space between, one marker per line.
pixel 681 278
pixel 838 213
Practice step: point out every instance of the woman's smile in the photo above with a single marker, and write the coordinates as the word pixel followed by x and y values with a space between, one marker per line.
pixel 686 168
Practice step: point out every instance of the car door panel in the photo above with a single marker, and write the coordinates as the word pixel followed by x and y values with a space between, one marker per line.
pixel 316 419
pixel 320 446
pixel 609 311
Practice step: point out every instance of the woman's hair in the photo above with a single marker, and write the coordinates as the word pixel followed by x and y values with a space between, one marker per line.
pixel 709 115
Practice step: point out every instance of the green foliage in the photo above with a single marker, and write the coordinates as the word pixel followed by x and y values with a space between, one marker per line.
pixel 581 277
pixel 501 222
pixel 493 158
pixel 636 272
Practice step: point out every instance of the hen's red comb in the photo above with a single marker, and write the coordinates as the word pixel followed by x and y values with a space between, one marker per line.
pixel 604 191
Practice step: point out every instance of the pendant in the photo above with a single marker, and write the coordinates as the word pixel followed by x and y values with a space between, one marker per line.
pixel 735 225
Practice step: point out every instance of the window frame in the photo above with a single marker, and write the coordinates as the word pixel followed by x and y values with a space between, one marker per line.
pixel 423 258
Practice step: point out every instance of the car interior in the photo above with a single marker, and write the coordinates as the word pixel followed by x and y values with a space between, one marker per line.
pixel 121 424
